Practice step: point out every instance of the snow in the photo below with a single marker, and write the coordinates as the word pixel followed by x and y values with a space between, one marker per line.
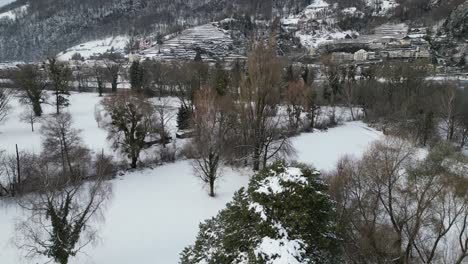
pixel 280 251
pixel 258 208
pixel 12 14
pixel 154 213
pixel 324 149
pixel 323 17
pixel 6 2
pixel 95 47
pixel 183 45
pixel 382 7
pixel 13 131
pixel 272 184
pixel 318 4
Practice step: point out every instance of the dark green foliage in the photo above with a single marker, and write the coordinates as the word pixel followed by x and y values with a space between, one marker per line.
pixel 32 83
pixel 65 234
pixel 221 80
pixel 59 75
pixel 184 116
pixel 136 76
pixel 301 209
pixel 77 57
pixel 198 57
pixel 132 123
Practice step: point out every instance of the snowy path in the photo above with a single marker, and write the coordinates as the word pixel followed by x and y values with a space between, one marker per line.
pixel 154 214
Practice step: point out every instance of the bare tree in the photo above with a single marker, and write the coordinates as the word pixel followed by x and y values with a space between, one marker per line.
pixel 8 178
pixel 448 108
pixel 59 225
pixel 28 116
pixel 395 208
pixel 312 105
pixel 82 75
pixel 131 125
pixel 332 89
pixel 164 117
pixel 210 125
pixel 295 98
pixel 5 96
pixel 32 83
pixel 258 100
pixel 62 144
pixel 113 67
pixel 100 74
pixel 348 81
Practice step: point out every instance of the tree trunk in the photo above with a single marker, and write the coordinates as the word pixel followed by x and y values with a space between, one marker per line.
pixel 212 193
pixel 265 156
pixel 18 166
pixel 352 112
pixel 57 103
pixel 37 108
pixel 100 88
pixel 114 85
pixel 133 165
pixel 67 156
pixel 312 120
pixel 256 159
pixel 451 128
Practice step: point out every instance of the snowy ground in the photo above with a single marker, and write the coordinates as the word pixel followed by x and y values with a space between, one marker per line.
pixel 96 47
pixel 154 213
pixel 13 131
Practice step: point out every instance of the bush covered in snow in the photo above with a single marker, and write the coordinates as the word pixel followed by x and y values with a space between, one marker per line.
pixel 284 216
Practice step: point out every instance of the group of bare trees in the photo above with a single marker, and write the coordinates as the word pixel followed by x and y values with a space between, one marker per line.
pixel 395 206
pixel 242 125
pixel 233 115
pixel 63 190
pixel 400 99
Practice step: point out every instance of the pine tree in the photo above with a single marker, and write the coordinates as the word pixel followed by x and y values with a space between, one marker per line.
pixel 136 76
pixel 294 211
pixel 221 79
pixel 59 75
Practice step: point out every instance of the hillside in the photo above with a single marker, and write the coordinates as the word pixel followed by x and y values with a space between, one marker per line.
pixel 32 30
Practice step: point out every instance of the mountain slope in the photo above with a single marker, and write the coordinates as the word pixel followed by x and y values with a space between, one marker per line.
pixel 54 25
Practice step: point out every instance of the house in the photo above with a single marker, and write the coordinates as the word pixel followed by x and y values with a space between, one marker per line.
pixel 342 56
pixel 361 55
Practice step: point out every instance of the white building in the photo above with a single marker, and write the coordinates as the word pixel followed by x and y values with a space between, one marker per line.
pixel 361 55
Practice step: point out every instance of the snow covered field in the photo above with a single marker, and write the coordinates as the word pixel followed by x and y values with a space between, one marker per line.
pixel 154 213
pixel 95 47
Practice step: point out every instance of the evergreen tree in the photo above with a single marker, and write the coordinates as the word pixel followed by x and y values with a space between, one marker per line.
pixel 198 57
pixel 136 76
pixel 59 75
pixel 283 206
pixel 221 79
pixel 184 115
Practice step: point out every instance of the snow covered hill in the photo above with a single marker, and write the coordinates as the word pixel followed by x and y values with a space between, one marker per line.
pixel 316 25
pixel 6 2
pixel 213 42
pixel 14 13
